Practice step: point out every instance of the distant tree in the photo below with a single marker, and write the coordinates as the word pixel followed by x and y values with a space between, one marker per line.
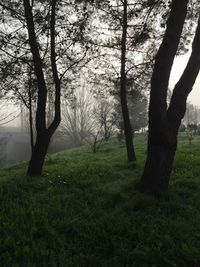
pixel 192 127
pixel 164 122
pixel 104 122
pixel 3 143
pixel 137 104
pixel 6 114
pixel 26 94
pixel 190 132
pixel 104 114
pixel 192 114
pixel 95 137
pixel 138 113
pixel 124 37
pixel 87 118
pixel 77 118
pixel 182 128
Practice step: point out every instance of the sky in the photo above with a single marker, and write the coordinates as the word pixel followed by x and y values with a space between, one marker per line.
pixel 177 70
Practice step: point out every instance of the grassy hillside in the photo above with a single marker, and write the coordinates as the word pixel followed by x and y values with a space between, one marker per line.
pixel 84 212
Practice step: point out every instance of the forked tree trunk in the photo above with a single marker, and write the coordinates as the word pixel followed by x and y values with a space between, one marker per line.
pixel 123 94
pixel 164 123
pixel 43 134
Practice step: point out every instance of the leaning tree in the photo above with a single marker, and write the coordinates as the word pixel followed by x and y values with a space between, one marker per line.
pixel 164 121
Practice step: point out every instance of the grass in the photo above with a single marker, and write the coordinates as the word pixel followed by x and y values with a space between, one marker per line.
pixel 84 211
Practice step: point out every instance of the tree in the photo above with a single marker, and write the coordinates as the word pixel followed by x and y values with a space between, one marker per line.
pixel 164 122
pixel 77 119
pixel 102 124
pixel 137 104
pixel 182 128
pixel 53 49
pixel 87 117
pixel 104 115
pixel 123 95
pixel 26 93
pixel 138 111
pixel 7 115
pixel 124 36
pixel 43 134
pixel 192 114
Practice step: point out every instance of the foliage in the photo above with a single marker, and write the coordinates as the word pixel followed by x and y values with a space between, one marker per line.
pixel 15 52
pixel 137 104
pixel 87 118
pixel 77 118
pixel 182 128
pixel 85 212
pixel 192 114
pixel 103 123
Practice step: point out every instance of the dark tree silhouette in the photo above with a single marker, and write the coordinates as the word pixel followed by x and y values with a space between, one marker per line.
pixel 43 134
pixel 128 24
pixel 54 53
pixel 123 95
pixel 164 122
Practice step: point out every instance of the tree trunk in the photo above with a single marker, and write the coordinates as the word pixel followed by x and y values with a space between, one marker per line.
pixel 162 138
pixel 43 134
pixel 164 123
pixel 31 125
pixel 128 135
pixel 30 110
pixel 123 97
pixel 157 169
pixel 38 155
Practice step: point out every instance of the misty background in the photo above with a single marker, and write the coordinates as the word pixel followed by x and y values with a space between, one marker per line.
pixel 15 134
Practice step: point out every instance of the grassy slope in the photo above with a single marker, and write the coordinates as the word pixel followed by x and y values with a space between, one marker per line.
pixel 84 212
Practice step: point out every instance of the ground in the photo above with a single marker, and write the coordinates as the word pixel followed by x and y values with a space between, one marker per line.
pixel 84 211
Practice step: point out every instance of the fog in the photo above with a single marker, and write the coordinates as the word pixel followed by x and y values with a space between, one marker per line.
pixel 15 145
pixel 15 141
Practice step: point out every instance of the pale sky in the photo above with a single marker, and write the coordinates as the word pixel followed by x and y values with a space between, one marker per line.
pixel 177 70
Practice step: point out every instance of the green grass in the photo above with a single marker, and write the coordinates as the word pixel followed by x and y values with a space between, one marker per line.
pixel 84 211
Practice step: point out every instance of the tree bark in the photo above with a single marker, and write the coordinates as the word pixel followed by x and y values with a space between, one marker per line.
pixel 157 169
pixel 31 121
pixel 162 141
pixel 123 97
pixel 163 123
pixel 42 89
pixel 30 110
pixel 38 155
